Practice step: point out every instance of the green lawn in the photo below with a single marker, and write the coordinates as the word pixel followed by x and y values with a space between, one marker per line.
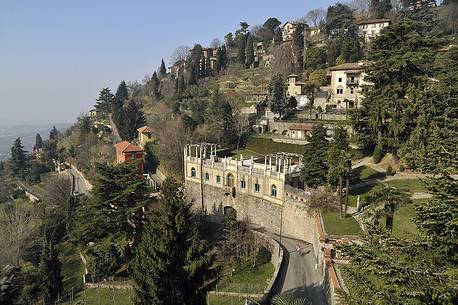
pixel 366 173
pixel 104 296
pixel 410 185
pixel 363 192
pixel 267 146
pixel 245 152
pixel 335 225
pixel 403 224
pixel 246 278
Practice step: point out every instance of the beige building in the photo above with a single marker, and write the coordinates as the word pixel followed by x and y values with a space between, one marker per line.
pixel 370 29
pixel 289 28
pixel 346 86
pixel 294 85
pixel 263 178
pixel 145 134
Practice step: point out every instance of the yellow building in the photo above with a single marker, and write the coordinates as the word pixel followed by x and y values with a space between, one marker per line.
pixel 263 178
pixel 294 85
pixel 145 134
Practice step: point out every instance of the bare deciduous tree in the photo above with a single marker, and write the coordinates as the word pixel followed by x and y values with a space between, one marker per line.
pixel 283 59
pixel 216 43
pixel 179 54
pixel 314 17
pixel 16 225
pixel 57 190
pixel 360 6
pixel 242 123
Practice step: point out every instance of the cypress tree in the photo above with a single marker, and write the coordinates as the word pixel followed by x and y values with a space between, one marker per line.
pixel 53 134
pixel 38 142
pixel 155 85
pixel 2 167
pixel 50 271
pixel 241 46
pixel 277 95
pixel 163 69
pixel 180 84
pixel 315 166
pixel 18 159
pixel 249 51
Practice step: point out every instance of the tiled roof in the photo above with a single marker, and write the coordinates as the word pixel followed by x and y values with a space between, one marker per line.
pixel 145 129
pixel 373 21
pixel 347 66
pixel 126 146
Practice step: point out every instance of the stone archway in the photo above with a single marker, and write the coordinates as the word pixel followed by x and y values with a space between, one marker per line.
pixel 230 180
pixel 230 212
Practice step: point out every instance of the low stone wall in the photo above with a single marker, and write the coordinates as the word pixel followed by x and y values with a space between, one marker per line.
pixel 276 259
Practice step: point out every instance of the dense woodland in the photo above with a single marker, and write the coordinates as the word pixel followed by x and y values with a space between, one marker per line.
pixel 409 112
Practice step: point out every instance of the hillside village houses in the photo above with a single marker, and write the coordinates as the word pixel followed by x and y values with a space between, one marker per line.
pixel 370 29
pixel 289 28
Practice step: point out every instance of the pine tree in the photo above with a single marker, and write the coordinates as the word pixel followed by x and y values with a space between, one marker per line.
pixel 105 100
pixel 50 270
pixel 18 159
pixel 249 51
pixel 133 119
pixel 115 207
pixel 162 69
pixel 171 263
pixel 315 166
pixel 399 74
pixel 155 86
pixel 241 46
pixel 38 142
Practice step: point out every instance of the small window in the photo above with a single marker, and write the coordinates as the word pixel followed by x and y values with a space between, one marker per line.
pixel 207 176
pixel 257 187
pixel 193 172
pixel 218 179
pixel 351 90
pixel 273 191
pixel 339 91
pixel 340 79
pixel 243 184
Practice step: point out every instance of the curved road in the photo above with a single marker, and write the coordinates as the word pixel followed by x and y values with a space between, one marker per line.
pixel 298 276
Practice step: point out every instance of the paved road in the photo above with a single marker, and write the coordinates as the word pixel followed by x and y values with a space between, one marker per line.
pixel 81 184
pixel 298 276
pixel 115 129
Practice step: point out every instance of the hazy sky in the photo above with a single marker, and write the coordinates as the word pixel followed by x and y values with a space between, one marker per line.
pixel 55 56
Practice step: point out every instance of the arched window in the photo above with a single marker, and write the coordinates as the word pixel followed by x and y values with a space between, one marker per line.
pixel 230 180
pixel 207 176
pixel 193 172
pixel 273 190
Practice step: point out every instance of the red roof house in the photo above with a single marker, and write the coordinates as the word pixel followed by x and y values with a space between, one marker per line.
pixel 127 152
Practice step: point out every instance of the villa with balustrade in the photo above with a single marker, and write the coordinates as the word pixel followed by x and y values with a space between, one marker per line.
pixel 263 177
